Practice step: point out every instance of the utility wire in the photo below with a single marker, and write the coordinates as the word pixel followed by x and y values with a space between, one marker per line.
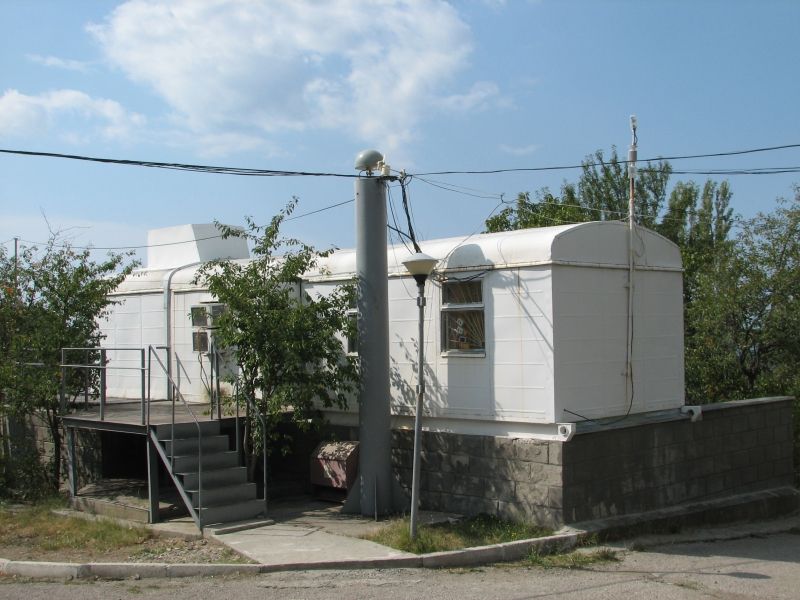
pixel 598 164
pixel 319 210
pixel 411 233
pixel 181 166
pixel 210 237
pixel 442 185
pixel 394 220
pixel 285 173
pixel 755 171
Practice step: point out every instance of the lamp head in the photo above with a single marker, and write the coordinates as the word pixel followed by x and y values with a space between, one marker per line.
pixel 420 266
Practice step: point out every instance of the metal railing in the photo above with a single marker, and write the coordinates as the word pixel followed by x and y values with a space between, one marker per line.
pixel 147 357
pixel 102 366
pixel 251 410
pixel 152 351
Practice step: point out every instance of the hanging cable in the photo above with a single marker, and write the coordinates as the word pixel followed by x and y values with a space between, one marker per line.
pixel 599 164
pixel 403 179
pixel 210 237
pixel 181 166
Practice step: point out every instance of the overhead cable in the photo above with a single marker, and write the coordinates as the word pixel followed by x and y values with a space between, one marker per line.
pixel 183 167
pixel 210 237
pixel 599 164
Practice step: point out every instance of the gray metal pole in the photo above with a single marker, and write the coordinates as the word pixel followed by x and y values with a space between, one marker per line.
pixel 415 474
pixel 103 384
pixel 374 422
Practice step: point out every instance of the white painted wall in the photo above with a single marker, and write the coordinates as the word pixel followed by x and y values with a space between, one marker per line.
pixel 135 322
pixel 555 302
pixel 590 315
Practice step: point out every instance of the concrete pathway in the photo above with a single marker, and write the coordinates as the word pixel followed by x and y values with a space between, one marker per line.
pixel 284 544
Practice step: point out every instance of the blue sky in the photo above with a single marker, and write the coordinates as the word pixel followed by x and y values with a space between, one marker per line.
pixel 301 85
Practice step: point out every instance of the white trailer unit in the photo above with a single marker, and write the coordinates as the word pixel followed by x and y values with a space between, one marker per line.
pixel 524 329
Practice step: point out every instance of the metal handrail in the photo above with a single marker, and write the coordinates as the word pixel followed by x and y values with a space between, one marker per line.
pixel 176 391
pixel 215 356
pixel 102 368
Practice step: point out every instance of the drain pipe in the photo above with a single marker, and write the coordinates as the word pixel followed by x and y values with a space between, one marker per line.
pixel 631 264
pixel 167 283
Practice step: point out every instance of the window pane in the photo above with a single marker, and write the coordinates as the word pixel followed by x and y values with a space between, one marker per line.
pixel 199 316
pixel 461 292
pixel 200 341
pixel 463 330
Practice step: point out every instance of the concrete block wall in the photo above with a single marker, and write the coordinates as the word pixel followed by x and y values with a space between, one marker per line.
pixel 737 447
pixel 468 474
pixel 637 465
pixel 31 435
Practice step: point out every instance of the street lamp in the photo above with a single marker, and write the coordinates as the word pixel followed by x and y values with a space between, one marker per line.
pixel 420 266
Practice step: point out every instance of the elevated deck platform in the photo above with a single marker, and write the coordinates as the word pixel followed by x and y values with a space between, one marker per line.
pixel 125 416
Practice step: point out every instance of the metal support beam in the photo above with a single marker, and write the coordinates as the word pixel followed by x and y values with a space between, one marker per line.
pixel 152 481
pixel 375 466
pixel 72 471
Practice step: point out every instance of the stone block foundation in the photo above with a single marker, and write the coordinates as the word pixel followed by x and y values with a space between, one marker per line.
pixel 643 463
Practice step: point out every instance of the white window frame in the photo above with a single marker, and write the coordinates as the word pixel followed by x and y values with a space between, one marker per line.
pixel 453 307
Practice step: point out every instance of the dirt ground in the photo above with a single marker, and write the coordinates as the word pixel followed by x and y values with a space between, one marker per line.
pixel 164 550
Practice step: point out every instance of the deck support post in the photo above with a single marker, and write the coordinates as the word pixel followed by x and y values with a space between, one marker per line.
pixel 72 472
pixel 152 481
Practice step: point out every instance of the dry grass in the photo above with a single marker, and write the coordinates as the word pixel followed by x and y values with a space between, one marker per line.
pixel 38 529
pixel 34 532
pixel 476 531
pixel 572 560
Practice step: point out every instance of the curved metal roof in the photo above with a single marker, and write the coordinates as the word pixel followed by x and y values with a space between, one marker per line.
pixel 598 243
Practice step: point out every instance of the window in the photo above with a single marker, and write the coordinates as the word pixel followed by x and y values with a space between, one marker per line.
pixel 199 316
pixel 200 341
pixel 463 329
pixel 207 315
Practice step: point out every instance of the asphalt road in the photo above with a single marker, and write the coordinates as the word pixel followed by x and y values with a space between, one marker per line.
pixel 762 566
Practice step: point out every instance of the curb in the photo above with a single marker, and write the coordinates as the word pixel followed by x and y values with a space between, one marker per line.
pixel 756 505
pixel 456 558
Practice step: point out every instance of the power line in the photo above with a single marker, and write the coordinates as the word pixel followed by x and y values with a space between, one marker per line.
pixel 456 189
pixel 285 173
pixel 182 167
pixel 409 219
pixel 210 237
pixel 754 171
pixel 319 210
pixel 598 164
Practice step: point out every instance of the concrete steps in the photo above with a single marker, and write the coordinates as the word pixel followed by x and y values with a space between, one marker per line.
pixel 225 494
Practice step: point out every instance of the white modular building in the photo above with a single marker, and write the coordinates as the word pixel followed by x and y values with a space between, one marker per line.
pixel 525 330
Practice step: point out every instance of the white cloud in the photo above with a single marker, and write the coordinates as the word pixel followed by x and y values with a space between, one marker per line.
pixel 374 68
pixel 59 63
pixel 519 150
pixel 482 95
pixel 24 115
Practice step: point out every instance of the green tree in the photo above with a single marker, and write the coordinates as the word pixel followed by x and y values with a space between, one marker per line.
pixel 545 210
pixel 699 222
pixel 287 345
pixel 746 313
pixel 51 299
pixel 601 194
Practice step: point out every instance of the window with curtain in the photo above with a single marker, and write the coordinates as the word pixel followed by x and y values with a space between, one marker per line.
pixel 463 326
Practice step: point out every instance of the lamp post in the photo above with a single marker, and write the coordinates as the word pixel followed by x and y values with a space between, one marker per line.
pixel 420 266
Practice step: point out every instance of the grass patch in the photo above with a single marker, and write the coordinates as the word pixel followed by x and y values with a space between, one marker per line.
pixel 36 527
pixel 482 530
pixel 572 560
